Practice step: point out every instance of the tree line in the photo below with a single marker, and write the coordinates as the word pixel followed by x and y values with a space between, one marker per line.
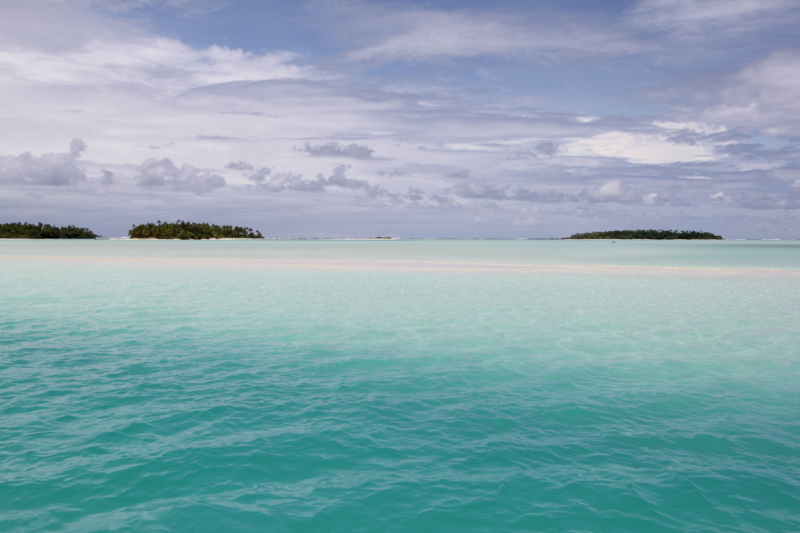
pixel 24 230
pixel 181 229
pixel 654 234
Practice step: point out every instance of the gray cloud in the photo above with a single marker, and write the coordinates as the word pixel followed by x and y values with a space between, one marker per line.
pixel 49 169
pixel 162 173
pixel 686 136
pixel 340 179
pixel 334 149
pixel 547 148
pixel 415 194
pixel 239 165
pixel 543 149
pixel 107 177
pixel 260 175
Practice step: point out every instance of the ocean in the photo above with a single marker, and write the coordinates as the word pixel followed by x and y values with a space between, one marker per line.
pixel 405 385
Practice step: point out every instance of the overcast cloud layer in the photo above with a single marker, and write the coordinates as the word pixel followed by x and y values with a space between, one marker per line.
pixel 429 119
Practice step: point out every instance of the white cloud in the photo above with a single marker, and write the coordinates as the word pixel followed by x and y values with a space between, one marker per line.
pixel 163 66
pixel 48 169
pixel 656 198
pixel 613 191
pixel 644 148
pixel 720 197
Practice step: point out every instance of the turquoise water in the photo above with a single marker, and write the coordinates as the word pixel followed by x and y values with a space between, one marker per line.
pixel 399 386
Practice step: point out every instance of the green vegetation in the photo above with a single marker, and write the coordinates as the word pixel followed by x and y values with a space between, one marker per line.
pixel 191 230
pixel 23 230
pixel 654 234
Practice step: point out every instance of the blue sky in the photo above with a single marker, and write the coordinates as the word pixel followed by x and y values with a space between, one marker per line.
pixel 429 119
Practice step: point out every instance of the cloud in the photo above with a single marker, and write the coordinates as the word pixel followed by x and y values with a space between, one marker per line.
pixel 764 201
pixel 481 189
pixel 546 148
pixel 418 34
pixel 125 90
pixel 697 18
pixel 285 181
pixel 295 182
pixel 459 174
pixel 720 197
pixel 654 148
pixel 415 194
pixel 657 198
pixel 260 175
pixel 334 149
pixel 107 177
pixel 340 179
pixel 162 65
pixel 239 165
pixel 650 28
pixel 163 174
pixel 194 7
pixel 550 197
pixel 613 191
pixel 49 169
pixel 763 97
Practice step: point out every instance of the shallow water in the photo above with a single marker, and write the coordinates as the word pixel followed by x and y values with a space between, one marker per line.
pixel 399 386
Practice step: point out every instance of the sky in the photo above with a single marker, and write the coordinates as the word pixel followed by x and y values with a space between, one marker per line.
pixel 437 118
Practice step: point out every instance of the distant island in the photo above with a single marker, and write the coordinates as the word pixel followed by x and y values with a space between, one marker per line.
pixel 654 234
pixel 23 230
pixel 190 231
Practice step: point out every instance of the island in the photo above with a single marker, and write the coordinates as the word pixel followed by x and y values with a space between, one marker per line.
pixel 181 229
pixel 24 230
pixel 654 234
